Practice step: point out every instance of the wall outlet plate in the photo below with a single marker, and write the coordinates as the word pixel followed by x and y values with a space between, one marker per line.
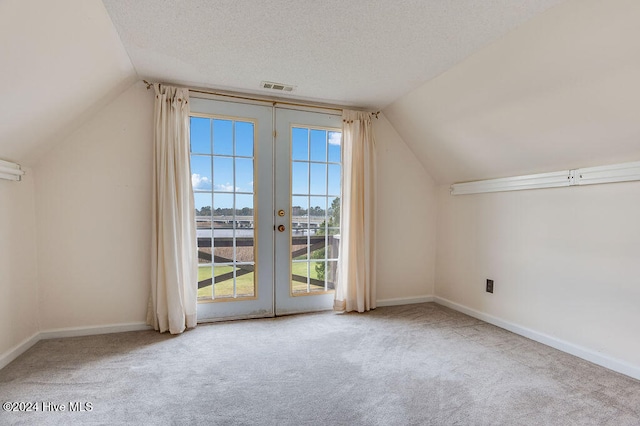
pixel 489 286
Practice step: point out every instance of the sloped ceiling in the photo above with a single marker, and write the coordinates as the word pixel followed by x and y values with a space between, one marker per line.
pixel 364 53
pixel 560 92
pixel 541 89
pixel 61 60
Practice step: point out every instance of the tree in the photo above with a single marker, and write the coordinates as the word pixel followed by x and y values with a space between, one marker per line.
pixel 320 253
pixel 316 211
pixel 298 211
pixel 224 212
pixel 334 221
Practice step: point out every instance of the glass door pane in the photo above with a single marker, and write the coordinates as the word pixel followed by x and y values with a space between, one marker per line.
pixel 230 150
pixel 308 164
pixel 225 215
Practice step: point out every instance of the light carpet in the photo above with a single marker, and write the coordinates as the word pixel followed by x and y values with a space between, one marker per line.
pixel 420 364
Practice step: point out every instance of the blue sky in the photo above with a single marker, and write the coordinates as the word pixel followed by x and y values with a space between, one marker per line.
pixel 308 146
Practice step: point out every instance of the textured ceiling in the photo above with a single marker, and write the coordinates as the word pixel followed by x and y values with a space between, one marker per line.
pixel 363 53
pixel 560 92
pixel 477 89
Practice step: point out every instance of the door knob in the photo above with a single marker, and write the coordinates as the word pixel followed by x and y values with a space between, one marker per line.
pixel 281 228
pixel 281 213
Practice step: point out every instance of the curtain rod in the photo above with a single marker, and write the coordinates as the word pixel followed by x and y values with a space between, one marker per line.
pixel 249 98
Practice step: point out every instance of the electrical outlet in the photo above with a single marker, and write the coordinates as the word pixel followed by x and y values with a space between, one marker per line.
pixel 489 286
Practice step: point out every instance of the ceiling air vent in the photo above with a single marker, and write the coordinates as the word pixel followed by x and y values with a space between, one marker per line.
pixel 277 86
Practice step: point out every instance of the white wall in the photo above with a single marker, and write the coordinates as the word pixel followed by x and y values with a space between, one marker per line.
pixel 93 204
pixel 406 219
pixel 566 262
pixel 18 263
pixel 93 207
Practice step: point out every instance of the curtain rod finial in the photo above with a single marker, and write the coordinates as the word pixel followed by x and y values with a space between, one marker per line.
pixel 148 84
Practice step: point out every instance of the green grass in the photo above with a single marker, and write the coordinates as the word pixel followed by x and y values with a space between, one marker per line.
pixel 300 268
pixel 245 283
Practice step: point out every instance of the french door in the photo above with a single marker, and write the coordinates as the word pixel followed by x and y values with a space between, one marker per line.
pixel 308 182
pixel 267 196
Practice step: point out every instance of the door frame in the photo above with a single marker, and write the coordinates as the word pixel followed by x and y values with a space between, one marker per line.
pixel 261 305
pixel 285 119
pixel 272 156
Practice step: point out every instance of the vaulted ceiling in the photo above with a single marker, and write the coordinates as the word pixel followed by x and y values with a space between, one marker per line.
pixel 59 62
pixel 560 92
pixel 477 89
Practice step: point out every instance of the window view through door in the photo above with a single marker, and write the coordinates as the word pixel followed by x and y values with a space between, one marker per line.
pixel 222 166
pixel 267 186
pixel 308 187
pixel 315 208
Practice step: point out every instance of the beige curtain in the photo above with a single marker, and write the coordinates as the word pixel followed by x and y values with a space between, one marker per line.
pixel 174 263
pixel 356 280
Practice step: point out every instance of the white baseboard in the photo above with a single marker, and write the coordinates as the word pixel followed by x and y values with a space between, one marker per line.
pixel 90 331
pixel 21 348
pixel 404 301
pixel 18 350
pixel 603 360
pixel 598 358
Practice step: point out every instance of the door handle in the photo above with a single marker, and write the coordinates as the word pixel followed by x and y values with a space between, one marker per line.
pixel 281 213
pixel 281 228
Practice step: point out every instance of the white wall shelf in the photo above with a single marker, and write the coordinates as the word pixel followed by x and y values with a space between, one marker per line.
pixel 623 172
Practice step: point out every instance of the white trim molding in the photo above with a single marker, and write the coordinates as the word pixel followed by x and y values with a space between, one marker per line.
pixel 10 171
pixel 404 300
pixel 13 353
pixel 611 363
pixel 94 330
pixel 624 172
pixel 543 180
pixel 590 355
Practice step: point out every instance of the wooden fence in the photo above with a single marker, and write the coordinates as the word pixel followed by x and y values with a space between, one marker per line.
pixel 315 242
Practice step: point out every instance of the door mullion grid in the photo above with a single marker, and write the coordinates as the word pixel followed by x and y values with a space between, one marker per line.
pixel 213 246
pixel 309 211
pixel 233 169
pixel 326 211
